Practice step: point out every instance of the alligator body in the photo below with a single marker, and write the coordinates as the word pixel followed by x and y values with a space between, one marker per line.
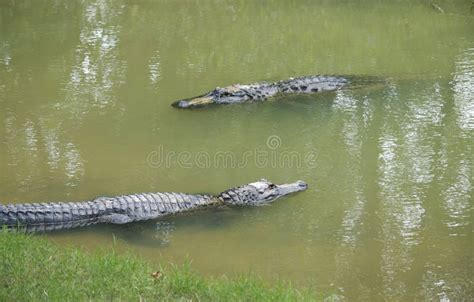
pixel 262 91
pixel 136 207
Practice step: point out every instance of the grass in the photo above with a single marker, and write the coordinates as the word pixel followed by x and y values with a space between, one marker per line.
pixel 33 269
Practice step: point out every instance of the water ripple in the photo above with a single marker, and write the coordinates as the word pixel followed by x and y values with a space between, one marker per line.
pixel 463 86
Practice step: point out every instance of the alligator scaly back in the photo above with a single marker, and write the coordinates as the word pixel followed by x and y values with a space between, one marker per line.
pixel 115 210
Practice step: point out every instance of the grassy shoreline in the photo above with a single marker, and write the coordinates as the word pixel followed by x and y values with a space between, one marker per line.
pixel 33 269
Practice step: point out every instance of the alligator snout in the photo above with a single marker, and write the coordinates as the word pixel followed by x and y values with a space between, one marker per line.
pixel 194 102
pixel 302 184
pixel 180 104
pixel 297 186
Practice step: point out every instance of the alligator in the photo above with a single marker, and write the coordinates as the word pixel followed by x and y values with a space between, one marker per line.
pixel 37 217
pixel 262 91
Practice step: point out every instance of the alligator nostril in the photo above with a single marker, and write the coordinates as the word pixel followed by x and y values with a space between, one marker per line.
pixel 302 184
pixel 180 104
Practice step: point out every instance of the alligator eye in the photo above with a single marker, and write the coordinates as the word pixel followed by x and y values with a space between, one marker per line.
pixel 272 186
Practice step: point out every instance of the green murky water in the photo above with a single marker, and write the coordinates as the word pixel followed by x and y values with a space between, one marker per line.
pixel 85 93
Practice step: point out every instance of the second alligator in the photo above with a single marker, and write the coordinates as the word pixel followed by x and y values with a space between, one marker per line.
pixel 239 93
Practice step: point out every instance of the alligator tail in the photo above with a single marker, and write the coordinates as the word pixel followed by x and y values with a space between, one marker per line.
pixel 51 216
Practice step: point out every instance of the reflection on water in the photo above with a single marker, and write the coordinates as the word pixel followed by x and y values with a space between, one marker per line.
pixel 357 115
pixel 5 59
pixel 51 142
pixel 97 72
pixel 457 188
pixel 74 165
pixel 154 67
pixel 463 86
pixel 457 196
pixel 95 75
pixel 85 98
pixel 402 209
pixel 353 133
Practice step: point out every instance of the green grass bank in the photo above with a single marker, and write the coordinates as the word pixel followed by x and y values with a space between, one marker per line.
pixel 33 269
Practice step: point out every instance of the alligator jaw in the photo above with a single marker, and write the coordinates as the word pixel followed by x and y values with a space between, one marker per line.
pixel 196 102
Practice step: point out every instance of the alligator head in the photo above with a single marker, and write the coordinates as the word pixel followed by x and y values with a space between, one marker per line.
pixel 260 192
pixel 226 95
